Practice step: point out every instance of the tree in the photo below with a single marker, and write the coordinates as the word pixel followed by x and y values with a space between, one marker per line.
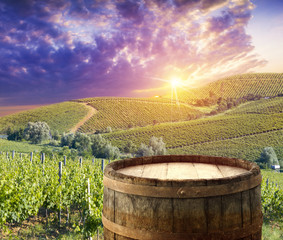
pixel 156 147
pixel 16 135
pixel 103 149
pixel 81 142
pixel 144 150
pixel 268 157
pixel 56 135
pixel 37 132
pixel 130 147
pixel 97 146
pixel 111 152
pixel 67 140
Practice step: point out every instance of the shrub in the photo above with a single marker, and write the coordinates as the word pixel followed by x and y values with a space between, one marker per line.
pixel 82 142
pixel 268 157
pixel 156 147
pixel 111 152
pixel 15 135
pixel 130 147
pixel 67 140
pixel 144 150
pixel 37 132
pixel 103 149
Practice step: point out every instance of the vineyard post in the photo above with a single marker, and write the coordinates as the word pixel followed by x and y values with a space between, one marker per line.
pixel 102 165
pixel 7 155
pixel 60 175
pixel 31 156
pixel 42 158
pixel 81 161
pixel 93 161
pixel 65 158
pixel 13 154
pixel 88 193
pixel 21 156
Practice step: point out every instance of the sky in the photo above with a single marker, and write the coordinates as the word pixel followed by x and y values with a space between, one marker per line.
pixel 58 50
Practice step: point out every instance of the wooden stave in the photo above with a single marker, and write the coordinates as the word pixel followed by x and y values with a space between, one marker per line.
pixel 251 226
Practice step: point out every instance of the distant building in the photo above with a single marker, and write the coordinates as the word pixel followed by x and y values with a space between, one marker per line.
pixel 275 167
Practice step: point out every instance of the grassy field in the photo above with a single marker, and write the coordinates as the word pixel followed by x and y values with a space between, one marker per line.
pixel 61 116
pixel 23 147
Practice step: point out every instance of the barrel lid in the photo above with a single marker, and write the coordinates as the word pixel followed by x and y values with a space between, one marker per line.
pixel 182 170
pixel 182 176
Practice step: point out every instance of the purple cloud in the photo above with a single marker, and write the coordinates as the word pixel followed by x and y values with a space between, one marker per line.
pixel 60 50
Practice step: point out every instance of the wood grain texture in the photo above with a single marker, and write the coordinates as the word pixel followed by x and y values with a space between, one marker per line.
pixel 149 199
pixel 181 170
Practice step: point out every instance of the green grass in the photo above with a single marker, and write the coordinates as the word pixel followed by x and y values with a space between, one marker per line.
pixel 62 116
pixel 23 147
pixel 272 231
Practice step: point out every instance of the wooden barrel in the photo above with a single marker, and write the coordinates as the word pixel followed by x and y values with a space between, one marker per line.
pixel 182 197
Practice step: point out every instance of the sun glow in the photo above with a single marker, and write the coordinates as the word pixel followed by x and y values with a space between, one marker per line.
pixel 176 82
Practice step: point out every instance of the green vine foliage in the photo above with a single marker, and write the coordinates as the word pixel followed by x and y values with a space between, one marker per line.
pixel 272 199
pixel 26 187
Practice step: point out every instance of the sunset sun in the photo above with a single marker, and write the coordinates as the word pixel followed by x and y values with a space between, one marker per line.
pixel 176 82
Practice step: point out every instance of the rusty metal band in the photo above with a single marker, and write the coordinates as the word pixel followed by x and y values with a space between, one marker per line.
pixel 144 234
pixel 182 192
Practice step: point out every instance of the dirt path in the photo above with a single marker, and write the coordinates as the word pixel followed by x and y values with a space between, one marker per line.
pixel 90 113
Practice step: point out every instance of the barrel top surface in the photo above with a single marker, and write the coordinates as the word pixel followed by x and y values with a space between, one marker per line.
pixel 182 171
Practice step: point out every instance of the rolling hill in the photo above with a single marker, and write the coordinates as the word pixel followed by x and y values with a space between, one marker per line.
pixel 237 86
pixel 138 119
pixel 62 116
pixel 125 113
pixel 243 131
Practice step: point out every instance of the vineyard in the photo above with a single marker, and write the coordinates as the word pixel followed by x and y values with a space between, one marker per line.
pixel 31 186
pixel 71 197
pixel 263 119
pixel 248 147
pixel 262 106
pixel 123 113
pixel 201 131
pixel 61 116
pixel 237 86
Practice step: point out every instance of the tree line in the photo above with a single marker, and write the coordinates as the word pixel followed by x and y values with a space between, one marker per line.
pixel 83 144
